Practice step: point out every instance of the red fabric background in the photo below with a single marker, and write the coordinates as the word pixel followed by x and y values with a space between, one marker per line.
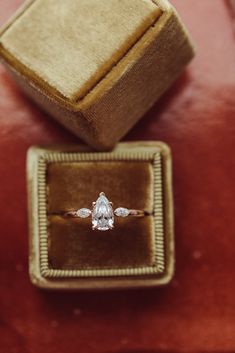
pixel 196 313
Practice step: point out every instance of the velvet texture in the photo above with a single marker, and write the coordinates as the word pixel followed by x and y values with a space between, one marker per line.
pixel 196 312
pixel 74 30
pixel 90 64
pixel 72 243
pixel 65 253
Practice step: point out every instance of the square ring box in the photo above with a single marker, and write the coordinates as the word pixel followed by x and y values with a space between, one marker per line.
pixel 95 64
pixel 65 253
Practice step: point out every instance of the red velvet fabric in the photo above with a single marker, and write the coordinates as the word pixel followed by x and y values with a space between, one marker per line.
pixel 196 312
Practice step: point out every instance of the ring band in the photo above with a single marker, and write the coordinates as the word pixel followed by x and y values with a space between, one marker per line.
pixel 102 213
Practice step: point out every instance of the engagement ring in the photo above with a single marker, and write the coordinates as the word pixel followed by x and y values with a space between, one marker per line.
pixel 102 213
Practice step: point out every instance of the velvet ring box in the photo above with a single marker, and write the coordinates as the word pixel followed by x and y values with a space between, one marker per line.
pixel 96 64
pixel 65 253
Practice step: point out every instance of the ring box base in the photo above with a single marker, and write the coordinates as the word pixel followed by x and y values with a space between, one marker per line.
pixel 66 253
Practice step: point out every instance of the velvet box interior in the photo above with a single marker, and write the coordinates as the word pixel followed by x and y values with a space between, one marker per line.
pixel 66 252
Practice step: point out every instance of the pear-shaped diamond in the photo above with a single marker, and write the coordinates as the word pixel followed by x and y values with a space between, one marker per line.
pixel 102 213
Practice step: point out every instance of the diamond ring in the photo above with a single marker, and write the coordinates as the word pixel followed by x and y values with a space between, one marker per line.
pixel 102 213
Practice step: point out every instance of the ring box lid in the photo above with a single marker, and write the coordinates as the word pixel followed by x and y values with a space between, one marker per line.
pixel 96 66
pixel 72 53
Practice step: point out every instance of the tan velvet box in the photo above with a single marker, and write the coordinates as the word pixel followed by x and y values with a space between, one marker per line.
pixel 96 66
pixel 65 253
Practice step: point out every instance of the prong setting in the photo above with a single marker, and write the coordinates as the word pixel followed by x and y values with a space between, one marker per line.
pixel 102 214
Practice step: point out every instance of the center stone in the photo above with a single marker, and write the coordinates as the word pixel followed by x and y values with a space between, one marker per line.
pixel 102 213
